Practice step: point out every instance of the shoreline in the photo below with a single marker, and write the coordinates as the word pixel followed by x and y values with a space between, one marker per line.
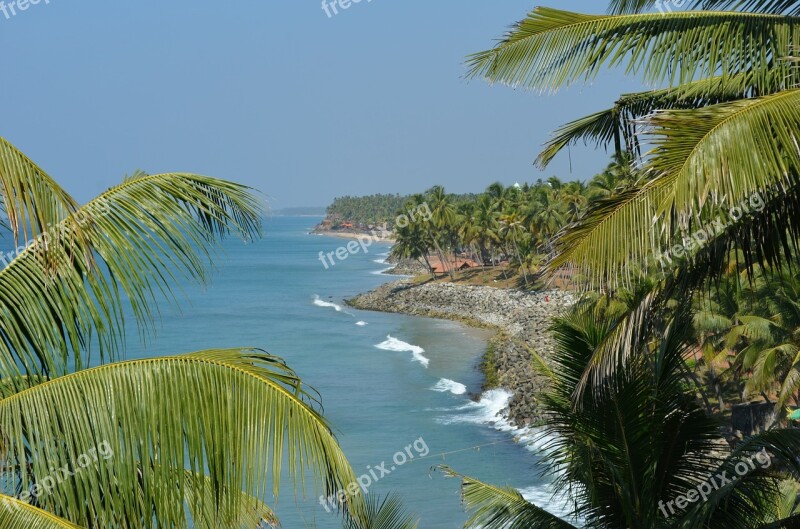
pixel 352 235
pixel 518 319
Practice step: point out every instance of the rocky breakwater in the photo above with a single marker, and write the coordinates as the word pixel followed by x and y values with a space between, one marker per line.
pixel 520 318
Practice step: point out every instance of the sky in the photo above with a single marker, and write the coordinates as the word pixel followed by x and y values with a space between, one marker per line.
pixel 280 96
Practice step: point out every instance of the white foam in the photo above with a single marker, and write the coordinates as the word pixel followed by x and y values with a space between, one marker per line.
pixel 446 385
pixel 382 272
pixel 362 323
pixel 328 305
pixel 393 344
pixel 488 410
pixel 542 496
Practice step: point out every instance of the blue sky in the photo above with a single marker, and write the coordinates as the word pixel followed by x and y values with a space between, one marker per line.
pixel 277 95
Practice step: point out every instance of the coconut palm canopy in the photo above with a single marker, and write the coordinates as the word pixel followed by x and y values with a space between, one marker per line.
pixel 714 140
pixel 201 438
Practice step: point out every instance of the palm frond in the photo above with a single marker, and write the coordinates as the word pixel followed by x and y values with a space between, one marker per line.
pixel 786 7
pixel 619 124
pixel 777 7
pixel 553 48
pixel 206 505
pixel 713 166
pixel 240 416
pixel 31 199
pixel 143 235
pixel 383 513
pixel 16 514
pixel 494 507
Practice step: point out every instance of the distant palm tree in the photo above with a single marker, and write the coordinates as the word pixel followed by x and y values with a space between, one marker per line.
pixel 202 436
pixel 443 218
pixel 512 226
pixel 632 446
pixel 485 219
pixel 724 127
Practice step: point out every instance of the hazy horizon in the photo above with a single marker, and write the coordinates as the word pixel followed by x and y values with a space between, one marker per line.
pixel 299 105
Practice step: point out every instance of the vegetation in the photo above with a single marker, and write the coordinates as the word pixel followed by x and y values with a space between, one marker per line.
pixel 670 338
pixel 635 442
pixel 513 225
pixel 63 395
pixel 368 210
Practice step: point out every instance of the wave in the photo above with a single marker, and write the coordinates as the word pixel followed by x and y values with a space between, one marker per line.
pixel 542 496
pixel 393 344
pixel 488 410
pixel 362 323
pixel 446 385
pixel 329 305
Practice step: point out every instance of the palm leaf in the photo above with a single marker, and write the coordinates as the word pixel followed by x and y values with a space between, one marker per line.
pixel 204 505
pixel 618 124
pixel 32 201
pixel 553 48
pixel 383 513
pixel 241 416
pixel 144 234
pixel 502 507
pixel 788 7
pixel 16 514
pixel 709 162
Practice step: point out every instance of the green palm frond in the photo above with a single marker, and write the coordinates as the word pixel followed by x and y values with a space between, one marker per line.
pixel 16 514
pixel 553 48
pixel 712 164
pixel 619 125
pixel 240 416
pixel 143 235
pixel 755 497
pixel 788 7
pixel 604 236
pixel 383 513
pixel 204 501
pixel 32 200
pixel 725 152
pixel 494 507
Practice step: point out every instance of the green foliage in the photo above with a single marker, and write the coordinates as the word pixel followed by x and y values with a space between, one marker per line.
pixel 373 209
pixel 205 436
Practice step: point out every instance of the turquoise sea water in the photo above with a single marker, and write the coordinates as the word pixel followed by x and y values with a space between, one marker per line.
pixel 276 295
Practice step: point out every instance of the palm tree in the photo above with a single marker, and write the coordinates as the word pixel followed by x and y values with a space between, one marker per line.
pixel 629 447
pixel 618 176
pixel 203 436
pixel 723 129
pixel 443 217
pixel 485 219
pixel 513 227
pixel 413 241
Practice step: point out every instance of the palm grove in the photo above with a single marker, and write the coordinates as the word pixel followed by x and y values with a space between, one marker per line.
pixel 648 361
pixel 644 366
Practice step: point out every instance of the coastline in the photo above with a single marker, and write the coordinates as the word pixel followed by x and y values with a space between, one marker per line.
pixel 353 235
pixel 519 320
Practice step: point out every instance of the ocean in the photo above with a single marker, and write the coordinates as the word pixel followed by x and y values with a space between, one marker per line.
pixel 397 389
